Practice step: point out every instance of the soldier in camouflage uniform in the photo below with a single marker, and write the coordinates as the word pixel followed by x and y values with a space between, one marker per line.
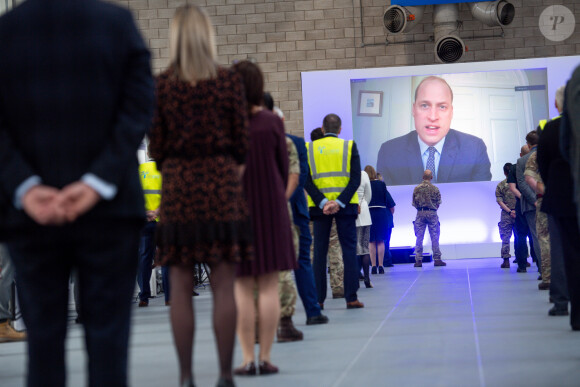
pixel 507 202
pixel 427 199
pixel 335 264
pixel 533 178
pixel 286 285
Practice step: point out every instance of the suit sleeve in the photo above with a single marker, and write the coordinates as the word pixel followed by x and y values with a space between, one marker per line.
pixel 354 181
pixel 524 188
pixel 134 113
pixel 14 168
pixel 482 167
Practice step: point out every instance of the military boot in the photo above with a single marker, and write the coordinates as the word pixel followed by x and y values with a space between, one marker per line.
pixel 287 331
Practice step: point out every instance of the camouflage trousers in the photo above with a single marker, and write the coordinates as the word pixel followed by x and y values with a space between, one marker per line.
pixel 286 284
pixel 544 239
pixel 334 261
pixel 506 227
pixel 423 220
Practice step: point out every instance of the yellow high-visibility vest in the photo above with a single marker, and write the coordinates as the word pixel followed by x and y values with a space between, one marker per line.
pixel 151 182
pixel 329 161
pixel 543 123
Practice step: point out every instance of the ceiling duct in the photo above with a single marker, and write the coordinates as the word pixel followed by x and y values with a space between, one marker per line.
pixel 449 47
pixel 399 19
pixel 493 13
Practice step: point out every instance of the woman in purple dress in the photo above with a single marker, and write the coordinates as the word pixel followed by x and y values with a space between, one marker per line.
pixel 264 185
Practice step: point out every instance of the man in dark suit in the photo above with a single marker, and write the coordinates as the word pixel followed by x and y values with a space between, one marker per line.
pixel 304 275
pixel 451 155
pixel 76 100
pixel 331 185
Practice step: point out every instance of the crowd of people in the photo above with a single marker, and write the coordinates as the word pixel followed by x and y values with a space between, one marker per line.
pixel 537 205
pixel 225 187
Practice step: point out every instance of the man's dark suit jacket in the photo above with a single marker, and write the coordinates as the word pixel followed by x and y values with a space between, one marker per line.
pixel 463 158
pixel 298 199
pixel 346 194
pixel 67 109
pixel 555 171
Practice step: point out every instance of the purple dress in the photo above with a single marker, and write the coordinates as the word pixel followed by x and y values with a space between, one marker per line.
pixel 265 186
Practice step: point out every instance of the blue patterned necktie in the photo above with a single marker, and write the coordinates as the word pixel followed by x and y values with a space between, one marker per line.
pixel 431 162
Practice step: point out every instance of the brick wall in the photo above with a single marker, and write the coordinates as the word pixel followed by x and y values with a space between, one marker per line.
pixel 287 37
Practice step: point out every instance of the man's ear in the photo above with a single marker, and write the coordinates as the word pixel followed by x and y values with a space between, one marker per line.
pixel 339 130
pixel 323 131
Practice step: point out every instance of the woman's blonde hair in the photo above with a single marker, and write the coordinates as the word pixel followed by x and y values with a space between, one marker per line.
pixel 192 44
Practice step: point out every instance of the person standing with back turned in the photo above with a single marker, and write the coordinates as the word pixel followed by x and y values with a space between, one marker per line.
pixel 75 103
pixel 427 199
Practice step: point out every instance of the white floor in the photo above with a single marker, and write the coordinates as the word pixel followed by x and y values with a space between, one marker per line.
pixel 467 324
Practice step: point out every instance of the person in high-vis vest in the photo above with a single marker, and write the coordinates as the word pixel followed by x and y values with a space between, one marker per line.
pixel 332 194
pixel 151 182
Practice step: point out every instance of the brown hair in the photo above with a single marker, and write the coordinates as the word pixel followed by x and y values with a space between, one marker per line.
pixel 253 82
pixel 371 172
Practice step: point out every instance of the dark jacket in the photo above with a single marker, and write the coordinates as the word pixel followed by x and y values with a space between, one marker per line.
pixel 298 199
pixel 76 98
pixel 463 158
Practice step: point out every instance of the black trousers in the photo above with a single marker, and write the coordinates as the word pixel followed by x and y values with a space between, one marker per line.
pixel 571 245
pixel 346 230
pixel 105 255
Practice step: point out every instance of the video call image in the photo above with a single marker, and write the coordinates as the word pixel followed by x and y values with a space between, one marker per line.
pixel 470 123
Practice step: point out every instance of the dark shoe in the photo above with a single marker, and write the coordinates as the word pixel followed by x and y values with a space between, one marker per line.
pixel 246 370
pixel 167 303
pixel 287 332
pixel 544 286
pixel 337 295
pixel 223 382
pixel 505 264
pixel 528 264
pixel 439 262
pixel 354 305
pixel 315 320
pixel 381 270
pixel 321 304
pixel 374 270
pixel 522 270
pixel 576 327
pixel 558 312
pixel 267 368
pixel 195 294
pixel 361 277
pixel 143 303
pixel 418 264
pixel 515 261
pixel 540 277
pixel 368 284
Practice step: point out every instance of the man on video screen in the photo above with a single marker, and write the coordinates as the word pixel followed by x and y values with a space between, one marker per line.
pixel 453 156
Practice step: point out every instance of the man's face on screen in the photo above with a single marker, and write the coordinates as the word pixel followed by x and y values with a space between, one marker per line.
pixel 433 111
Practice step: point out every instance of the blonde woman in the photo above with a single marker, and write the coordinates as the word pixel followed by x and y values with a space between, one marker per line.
pixel 200 140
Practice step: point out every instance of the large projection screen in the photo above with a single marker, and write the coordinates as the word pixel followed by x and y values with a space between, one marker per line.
pixel 497 102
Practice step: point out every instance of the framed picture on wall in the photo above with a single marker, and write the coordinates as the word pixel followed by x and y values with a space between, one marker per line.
pixel 370 103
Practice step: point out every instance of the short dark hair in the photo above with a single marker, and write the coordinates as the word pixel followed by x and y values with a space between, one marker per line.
pixel 253 82
pixel 532 138
pixel 268 101
pixel 506 168
pixel 331 123
pixel 316 134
